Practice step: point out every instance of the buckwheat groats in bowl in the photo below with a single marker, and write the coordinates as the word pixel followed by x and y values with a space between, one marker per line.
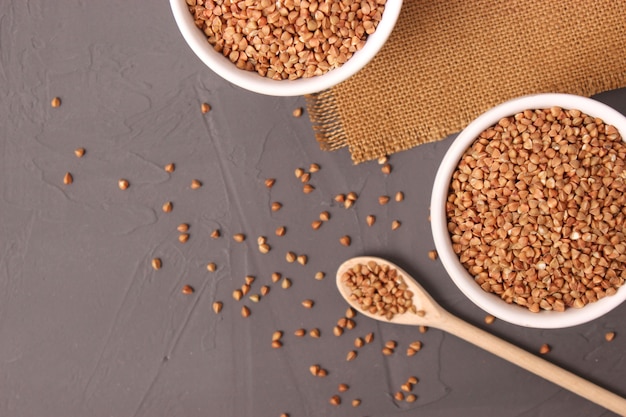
pixel 286 47
pixel 528 210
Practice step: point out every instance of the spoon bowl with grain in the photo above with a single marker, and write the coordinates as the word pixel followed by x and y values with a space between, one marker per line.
pixel 383 291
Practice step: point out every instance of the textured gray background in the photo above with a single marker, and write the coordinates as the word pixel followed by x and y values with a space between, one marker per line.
pixel 87 328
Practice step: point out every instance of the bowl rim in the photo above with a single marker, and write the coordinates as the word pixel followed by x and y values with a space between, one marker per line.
pixel 252 81
pixel 460 276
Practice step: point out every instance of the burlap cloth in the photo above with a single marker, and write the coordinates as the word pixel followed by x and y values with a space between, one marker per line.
pixel 448 61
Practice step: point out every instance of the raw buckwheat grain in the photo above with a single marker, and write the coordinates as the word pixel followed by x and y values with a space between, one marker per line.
pixel 537 206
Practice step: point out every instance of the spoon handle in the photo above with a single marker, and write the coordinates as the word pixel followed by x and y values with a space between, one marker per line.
pixel 534 364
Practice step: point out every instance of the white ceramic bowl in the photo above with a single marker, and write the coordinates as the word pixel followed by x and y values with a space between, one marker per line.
pixel 491 303
pixel 256 83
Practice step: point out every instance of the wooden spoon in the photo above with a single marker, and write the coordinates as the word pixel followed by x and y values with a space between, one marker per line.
pixel 435 316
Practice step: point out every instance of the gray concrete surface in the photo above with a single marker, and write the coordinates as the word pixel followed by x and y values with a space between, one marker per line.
pixel 88 328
